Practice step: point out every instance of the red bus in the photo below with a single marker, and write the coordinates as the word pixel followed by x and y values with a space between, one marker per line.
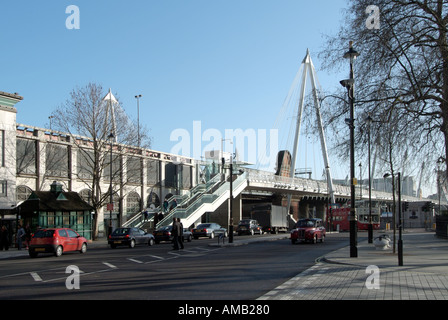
pixel 339 217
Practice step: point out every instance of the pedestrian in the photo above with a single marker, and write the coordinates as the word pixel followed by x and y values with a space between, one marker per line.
pixel 20 237
pixel 160 216
pixel 173 205
pixel 4 238
pixel 180 238
pixel 28 235
pixel 175 232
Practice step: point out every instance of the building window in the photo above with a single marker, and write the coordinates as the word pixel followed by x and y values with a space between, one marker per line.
pixel 56 163
pixel 2 148
pixel 3 188
pixel 26 156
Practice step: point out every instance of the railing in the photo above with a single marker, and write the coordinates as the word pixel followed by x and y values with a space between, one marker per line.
pixel 205 201
pixel 190 201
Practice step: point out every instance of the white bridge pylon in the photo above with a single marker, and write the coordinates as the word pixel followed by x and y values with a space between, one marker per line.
pixel 308 69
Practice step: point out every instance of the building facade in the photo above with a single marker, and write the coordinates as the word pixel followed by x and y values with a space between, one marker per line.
pixel 32 158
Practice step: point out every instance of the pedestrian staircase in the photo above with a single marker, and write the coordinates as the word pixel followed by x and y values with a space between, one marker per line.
pixel 207 201
pixel 204 197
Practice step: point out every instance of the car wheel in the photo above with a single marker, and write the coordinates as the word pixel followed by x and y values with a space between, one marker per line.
pixel 33 254
pixel 212 235
pixel 322 239
pixel 132 244
pixel 113 246
pixel 83 248
pixel 189 238
pixel 252 232
pixel 58 251
pixel 293 241
pixel 151 242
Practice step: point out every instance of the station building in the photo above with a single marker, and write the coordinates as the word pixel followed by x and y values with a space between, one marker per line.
pixel 33 158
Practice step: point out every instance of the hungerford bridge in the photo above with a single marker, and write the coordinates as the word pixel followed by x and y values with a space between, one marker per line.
pixel 27 163
pixel 303 197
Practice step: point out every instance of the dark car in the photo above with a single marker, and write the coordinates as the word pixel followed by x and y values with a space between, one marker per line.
pixel 165 234
pixel 210 230
pixel 310 230
pixel 130 237
pixel 249 226
pixel 57 241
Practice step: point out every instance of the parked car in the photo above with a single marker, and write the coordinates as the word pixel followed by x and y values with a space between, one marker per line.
pixel 57 241
pixel 310 230
pixel 249 226
pixel 165 234
pixel 130 237
pixel 209 230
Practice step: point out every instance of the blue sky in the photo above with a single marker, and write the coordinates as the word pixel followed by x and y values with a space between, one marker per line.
pixel 228 64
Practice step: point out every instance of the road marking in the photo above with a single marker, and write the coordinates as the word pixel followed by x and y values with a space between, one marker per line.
pixel 175 254
pixel 110 265
pixel 157 257
pixel 36 277
pixel 135 260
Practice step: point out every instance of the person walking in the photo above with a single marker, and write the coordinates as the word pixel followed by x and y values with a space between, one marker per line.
pixel 28 236
pixel 20 237
pixel 180 238
pixel 175 232
pixel 4 238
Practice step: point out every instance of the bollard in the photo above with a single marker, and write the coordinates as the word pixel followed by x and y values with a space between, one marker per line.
pixel 221 237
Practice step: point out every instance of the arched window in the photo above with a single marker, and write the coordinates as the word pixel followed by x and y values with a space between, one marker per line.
pixel 86 195
pixel 22 193
pixel 132 204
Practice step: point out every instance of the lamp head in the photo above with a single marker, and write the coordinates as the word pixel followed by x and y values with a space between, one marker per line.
pixel 351 54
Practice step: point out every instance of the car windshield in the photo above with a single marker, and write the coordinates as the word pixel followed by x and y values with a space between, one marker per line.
pixel 305 223
pixel 244 222
pixel 121 231
pixel 204 225
pixel 44 234
pixel 166 228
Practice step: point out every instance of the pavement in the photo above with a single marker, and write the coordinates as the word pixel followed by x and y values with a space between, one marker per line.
pixel 375 274
pixel 372 275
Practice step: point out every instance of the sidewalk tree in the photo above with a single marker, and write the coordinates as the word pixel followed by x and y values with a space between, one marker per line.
pixel 85 117
pixel 403 67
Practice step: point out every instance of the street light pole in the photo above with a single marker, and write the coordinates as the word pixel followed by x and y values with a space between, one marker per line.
pixel 138 118
pixel 351 54
pixel 111 138
pixel 370 226
pixel 400 239
pixel 400 227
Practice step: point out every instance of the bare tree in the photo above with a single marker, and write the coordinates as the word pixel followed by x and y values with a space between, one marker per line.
pixel 402 70
pixel 85 114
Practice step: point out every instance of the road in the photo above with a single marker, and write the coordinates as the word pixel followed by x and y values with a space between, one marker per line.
pixel 199 272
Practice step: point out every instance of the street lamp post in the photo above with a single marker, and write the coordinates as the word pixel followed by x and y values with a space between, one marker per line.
pixel 400 227
pixel 138 118
pixel 111 138
pixel 370 226
pixel 351 54
pixel 439 163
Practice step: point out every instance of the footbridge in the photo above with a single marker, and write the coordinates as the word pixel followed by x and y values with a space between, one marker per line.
pixel 213 196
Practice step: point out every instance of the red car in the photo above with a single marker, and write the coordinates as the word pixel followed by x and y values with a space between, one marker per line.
pixel 57 241
pixel 310 230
